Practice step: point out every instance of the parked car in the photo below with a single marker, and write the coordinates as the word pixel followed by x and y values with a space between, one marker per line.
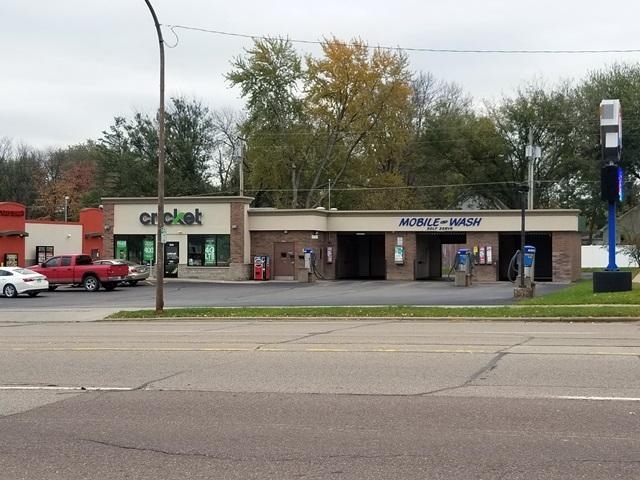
pixel 137 272
pixel 80 270
pixel 17 280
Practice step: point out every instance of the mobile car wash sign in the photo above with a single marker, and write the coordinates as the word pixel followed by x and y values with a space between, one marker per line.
pixel 173 218
pixel 440 224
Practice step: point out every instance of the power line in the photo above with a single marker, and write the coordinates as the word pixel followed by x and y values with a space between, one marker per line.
pixel 413 49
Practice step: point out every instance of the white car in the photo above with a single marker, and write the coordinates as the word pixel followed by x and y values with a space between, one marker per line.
pixel 17 280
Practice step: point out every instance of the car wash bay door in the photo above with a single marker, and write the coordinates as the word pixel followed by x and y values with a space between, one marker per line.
pixel 284 261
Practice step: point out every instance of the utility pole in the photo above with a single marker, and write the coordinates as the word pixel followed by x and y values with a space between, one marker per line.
pixel 241 169
pixel 160 233
pixel 532 153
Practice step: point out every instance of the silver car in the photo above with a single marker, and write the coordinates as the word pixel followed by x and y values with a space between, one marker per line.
pixel 137 272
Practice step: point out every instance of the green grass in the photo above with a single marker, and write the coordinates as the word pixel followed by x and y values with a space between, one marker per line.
pixel 575 302
pixel 581 293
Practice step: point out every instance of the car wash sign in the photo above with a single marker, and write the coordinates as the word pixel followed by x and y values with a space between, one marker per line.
pixel 176 217
pixel 440 224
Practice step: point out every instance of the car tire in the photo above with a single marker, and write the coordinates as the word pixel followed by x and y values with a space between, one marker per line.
pixel 52 287
pixel 33 294
pixel 10 291
pixel 91 283
pixel 133 283
pixel 108 286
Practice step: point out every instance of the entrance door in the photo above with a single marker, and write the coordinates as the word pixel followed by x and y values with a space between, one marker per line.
pixel 361 256
pixel 284 261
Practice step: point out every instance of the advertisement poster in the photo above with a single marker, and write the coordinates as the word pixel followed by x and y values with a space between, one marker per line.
pixel 209 252
pixel 148 251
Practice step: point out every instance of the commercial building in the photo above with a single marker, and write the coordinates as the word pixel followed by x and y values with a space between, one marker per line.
pixel 219 237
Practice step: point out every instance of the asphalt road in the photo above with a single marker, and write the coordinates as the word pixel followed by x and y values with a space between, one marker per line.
pixel 346 400
pixel 68 303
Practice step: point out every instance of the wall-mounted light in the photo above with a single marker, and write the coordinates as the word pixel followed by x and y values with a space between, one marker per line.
pixel 234 226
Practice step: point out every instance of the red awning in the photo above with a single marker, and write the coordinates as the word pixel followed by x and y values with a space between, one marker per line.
pixel 13 233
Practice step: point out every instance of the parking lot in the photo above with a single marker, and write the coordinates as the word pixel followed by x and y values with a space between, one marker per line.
pixel 68 303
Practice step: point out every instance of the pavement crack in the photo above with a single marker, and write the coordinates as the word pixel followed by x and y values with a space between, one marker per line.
pixel 491 365
pixel 146 384
pixel 326 332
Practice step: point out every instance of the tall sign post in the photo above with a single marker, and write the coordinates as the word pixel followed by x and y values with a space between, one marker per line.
pixel 611 190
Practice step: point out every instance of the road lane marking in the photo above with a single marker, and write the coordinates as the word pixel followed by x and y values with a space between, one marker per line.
pixel 57 388
pixel 599 399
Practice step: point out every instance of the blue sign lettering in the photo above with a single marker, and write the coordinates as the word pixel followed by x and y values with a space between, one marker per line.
pixel 439 223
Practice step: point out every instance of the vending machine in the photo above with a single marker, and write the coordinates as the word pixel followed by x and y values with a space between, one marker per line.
pixel 171 258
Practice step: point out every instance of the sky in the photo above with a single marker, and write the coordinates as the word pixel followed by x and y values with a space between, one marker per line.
pixel 68 67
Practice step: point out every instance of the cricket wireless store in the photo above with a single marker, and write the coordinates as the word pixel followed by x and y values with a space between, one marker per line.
pixel 220 237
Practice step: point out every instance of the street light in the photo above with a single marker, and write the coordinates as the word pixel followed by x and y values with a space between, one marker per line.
pixel 161 159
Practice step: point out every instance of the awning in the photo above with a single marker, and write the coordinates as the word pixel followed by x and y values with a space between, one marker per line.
pixel 13 233
pixel 93 235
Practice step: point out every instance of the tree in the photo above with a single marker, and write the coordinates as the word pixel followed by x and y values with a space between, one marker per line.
pixel 19 173
pixel 620 81
pixel 66 172
pixel 270 77
pixel 339 118
pixel 550 117
pixel 227 150
pixel 129 152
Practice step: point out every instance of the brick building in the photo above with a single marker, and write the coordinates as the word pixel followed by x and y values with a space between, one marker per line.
pixel 218 238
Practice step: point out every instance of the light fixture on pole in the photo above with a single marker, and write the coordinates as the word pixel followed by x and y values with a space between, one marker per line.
pixel 160 233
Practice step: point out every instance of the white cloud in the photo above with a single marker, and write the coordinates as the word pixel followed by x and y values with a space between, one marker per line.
pixel 69 67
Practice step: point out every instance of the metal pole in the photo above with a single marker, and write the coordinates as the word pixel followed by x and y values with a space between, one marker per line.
pixel 532 149
pixel 329 194
pixel 522 239
pixel 612 267
pixel 66 207
pixel 241 169
pixel 161 160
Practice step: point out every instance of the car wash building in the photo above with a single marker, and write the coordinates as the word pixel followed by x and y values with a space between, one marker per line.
pixel 224 238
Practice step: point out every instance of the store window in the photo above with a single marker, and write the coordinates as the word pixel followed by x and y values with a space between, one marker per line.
pixel 136 248
pixel 208 250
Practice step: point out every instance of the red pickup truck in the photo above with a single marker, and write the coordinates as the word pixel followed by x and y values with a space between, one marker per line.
pixel 80 270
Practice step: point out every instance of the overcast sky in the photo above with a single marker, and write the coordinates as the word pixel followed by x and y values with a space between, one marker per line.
pixel 67 67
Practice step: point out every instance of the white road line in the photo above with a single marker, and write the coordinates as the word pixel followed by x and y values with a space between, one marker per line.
pixel 597 399
pixel 57 388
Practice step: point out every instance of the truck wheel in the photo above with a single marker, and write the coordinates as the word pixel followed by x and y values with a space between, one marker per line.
pixel 52 287
pixel 10 291
pixel 91 283
pixel 108 286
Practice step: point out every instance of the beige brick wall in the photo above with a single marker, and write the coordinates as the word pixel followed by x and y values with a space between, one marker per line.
pixel 567 256
pixel 107 240
pixel 487 272
pixel 405 271
pixel 262 243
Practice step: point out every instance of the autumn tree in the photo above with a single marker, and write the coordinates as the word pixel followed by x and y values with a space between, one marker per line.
pixel 19 173
pixel 270 77
pixel 66 172
pixel 340 118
